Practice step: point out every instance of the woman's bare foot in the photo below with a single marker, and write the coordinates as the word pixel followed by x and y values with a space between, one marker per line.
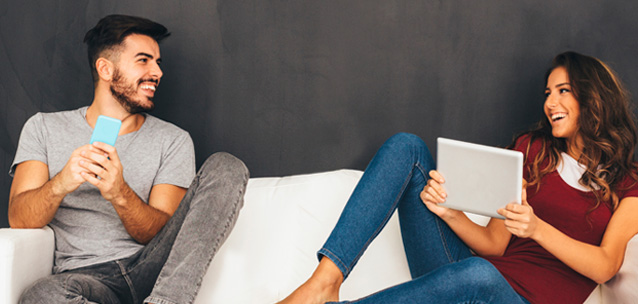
pixel 323 286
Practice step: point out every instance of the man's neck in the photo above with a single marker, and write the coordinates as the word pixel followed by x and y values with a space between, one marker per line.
pixel 107 105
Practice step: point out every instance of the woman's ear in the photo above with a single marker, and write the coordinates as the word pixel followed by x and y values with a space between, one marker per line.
pixel 104 69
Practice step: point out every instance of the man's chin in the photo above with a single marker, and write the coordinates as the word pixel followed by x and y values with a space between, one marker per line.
pixel 139 107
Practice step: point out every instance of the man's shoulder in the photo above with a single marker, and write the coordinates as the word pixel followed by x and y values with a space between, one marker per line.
pixel 157 125
pixel 55 118
pixel 65 113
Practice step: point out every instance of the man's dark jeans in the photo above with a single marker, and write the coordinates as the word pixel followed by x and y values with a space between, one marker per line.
pixel 171 267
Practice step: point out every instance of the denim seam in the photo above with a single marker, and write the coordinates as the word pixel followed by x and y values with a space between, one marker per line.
pixel 158 300
pixel 216 243
pixel 420 167
pixel 385 219
pixel 128 281
pixel 87 270
pixel 151 251
pixel 438 225
pixel 66 287
pixel 442 237
pixel 222 236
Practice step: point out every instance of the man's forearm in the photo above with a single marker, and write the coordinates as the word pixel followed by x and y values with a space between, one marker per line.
pixel 141 221
pixel 35 208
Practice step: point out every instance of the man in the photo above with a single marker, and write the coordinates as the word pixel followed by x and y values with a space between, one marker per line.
pixel 122 235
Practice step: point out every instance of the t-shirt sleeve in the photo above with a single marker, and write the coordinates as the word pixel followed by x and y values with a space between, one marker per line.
pixel 522 144
pixel 629 188
pixel 178 163
pixel 32 143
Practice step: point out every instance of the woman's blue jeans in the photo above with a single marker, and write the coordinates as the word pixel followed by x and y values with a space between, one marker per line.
pixel 443 268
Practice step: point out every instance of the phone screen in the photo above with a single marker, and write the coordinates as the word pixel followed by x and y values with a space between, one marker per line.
pixel 106 130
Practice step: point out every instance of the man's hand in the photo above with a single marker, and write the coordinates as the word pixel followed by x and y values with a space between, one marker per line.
pixel 72 175
pixel 34 198
pixel 102 168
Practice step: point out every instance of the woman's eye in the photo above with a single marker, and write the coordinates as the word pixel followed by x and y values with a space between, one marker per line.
pixel 546 94
pixel 564 91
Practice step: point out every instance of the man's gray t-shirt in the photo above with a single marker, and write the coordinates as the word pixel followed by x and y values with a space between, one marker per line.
pixel 87 229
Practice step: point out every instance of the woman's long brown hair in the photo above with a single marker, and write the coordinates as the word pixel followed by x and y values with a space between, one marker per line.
pixel 606 125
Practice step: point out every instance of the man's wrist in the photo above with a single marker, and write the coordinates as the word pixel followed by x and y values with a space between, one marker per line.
pixel 123 197
pixel 57 188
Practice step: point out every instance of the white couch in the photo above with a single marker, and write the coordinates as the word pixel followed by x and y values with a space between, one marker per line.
pixel 272 248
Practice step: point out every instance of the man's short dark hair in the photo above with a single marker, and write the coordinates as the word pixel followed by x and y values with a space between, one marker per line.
pixel 110 32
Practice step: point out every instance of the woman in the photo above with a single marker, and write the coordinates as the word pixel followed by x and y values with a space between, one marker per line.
pixel 569 234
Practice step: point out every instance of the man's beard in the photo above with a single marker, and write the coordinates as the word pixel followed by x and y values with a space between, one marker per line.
pixel 124 93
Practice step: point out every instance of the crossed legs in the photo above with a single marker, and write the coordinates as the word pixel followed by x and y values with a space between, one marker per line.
pixel 168 269
pixel 439 261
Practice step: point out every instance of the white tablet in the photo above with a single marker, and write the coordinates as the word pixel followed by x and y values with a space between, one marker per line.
pixel 479 179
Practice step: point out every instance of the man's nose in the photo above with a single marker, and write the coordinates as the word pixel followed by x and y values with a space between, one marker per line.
pixel 156 71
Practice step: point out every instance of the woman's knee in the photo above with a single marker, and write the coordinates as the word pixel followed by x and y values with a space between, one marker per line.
pixel 480 273
pixel 406 144
pixel 407 140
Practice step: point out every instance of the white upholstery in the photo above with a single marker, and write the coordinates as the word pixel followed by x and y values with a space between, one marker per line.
pixel 623 288
pixel 272 248
pixel 25 256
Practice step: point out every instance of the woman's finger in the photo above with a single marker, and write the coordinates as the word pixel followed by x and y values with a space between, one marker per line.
pixel 435 175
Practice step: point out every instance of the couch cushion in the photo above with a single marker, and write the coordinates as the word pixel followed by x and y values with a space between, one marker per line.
pixel 25 256
pixel 272 249
pixel 623 288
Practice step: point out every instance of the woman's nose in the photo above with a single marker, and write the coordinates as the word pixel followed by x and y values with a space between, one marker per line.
pixel 550 101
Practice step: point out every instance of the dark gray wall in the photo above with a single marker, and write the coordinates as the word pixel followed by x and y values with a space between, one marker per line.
pixel 305 86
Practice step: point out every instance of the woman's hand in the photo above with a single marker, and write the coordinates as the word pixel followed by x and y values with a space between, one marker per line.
pixel 520 218
pixel 433 194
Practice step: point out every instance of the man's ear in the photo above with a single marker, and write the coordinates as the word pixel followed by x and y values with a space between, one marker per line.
pixel 105 69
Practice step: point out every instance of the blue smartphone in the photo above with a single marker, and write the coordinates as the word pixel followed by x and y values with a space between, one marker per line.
pixel 106 130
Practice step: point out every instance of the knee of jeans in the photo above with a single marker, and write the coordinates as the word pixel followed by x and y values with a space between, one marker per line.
pixel 480 273
pixel 406 142
pixel 407 139
pixel 225 164
pixel 51 287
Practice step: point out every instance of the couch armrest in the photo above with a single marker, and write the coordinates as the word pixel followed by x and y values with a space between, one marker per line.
pixel 34 247
pixel 622 287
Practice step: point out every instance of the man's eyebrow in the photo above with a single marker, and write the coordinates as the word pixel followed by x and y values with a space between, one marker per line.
pixel 147 55
pixel 144 55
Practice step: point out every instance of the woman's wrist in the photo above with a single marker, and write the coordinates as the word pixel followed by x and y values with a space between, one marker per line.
pixel 451 215
pixel 539 231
